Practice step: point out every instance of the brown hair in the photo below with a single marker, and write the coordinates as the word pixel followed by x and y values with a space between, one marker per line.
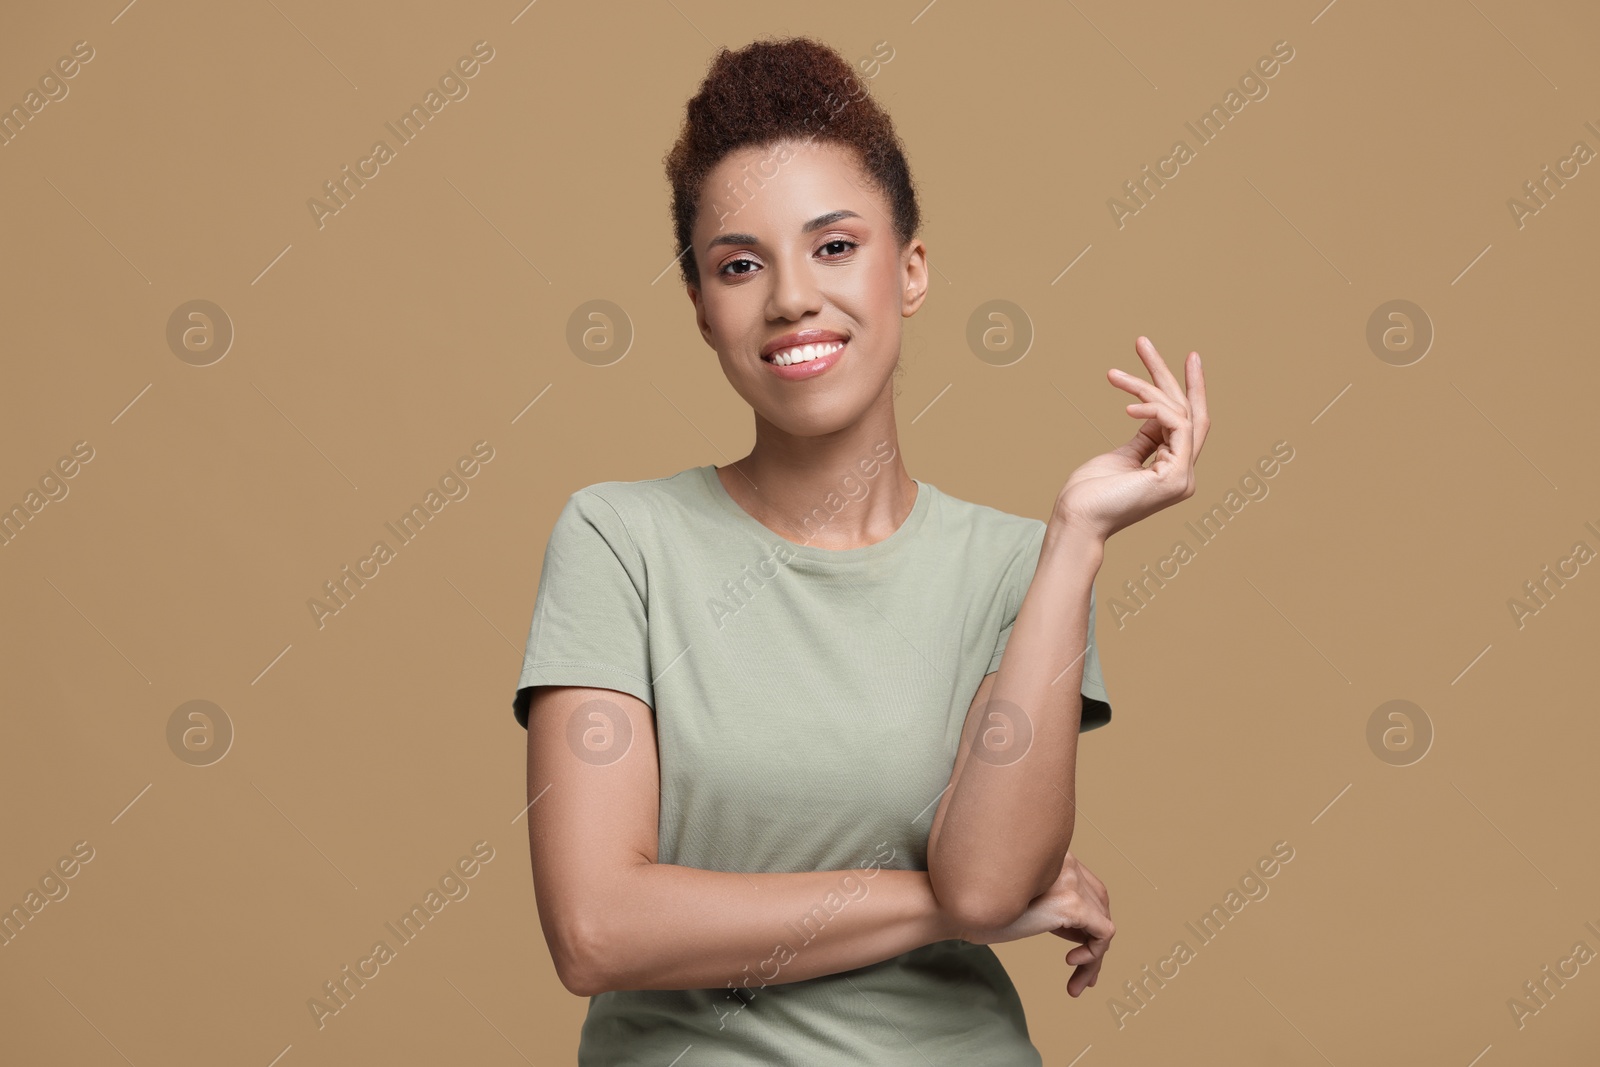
pixel 783 89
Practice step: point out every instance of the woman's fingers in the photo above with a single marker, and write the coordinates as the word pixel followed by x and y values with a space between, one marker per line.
pixel 1177 434
pixel 1090 925
pixel 1160 373
pixel 1197 399
pixel 1093 949
pixel 1087 916
pixel 1136 385
pixel 1176 417
pixel 1190 397
pixel 1097 885
pixel 1160 412
pixel 1082 978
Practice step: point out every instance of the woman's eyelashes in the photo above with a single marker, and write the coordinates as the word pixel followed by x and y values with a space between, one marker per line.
pixel 848 246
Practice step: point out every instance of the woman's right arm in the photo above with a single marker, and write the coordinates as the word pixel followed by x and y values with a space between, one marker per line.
pixel 614 918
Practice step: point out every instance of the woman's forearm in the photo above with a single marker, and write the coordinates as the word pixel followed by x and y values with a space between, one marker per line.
pixel 1008 823
pixel 663 926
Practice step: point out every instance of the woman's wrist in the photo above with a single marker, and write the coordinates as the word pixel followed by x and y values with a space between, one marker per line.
pixel 1070 537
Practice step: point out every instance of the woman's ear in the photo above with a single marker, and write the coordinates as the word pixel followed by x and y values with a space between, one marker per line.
pixel 914 271
pixel 700 315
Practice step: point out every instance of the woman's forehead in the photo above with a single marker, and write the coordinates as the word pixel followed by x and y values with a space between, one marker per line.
pixel 766 193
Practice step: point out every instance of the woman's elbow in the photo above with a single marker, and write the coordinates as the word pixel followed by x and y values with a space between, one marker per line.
pixel 975 907
pixel 578 982
pixel 580 957
pixel 991 912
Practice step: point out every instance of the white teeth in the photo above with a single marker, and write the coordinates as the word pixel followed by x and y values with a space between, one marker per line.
pixel 805 353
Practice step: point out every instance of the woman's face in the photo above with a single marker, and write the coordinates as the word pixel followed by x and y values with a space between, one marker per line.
pixel 790 239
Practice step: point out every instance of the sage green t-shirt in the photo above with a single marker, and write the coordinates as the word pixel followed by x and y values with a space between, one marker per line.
pixel 808 704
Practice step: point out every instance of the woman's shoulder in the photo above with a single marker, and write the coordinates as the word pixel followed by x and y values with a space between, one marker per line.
pixel 983 521
pixel 621 492
pixel 640 503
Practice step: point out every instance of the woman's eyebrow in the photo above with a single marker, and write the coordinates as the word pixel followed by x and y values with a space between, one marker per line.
pixel 749 239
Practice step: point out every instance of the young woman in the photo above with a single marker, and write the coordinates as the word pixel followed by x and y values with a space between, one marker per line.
pixel 786 790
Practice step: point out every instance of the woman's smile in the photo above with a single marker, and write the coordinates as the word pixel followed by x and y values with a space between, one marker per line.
pixel 809 361
pixel 805 354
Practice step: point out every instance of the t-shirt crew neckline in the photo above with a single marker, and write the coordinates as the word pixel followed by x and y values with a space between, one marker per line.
pixel 919 510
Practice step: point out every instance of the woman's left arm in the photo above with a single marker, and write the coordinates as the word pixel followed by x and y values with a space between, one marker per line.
pixel 1005 822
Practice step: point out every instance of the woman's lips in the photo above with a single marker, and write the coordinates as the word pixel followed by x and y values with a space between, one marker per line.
pixel 811 368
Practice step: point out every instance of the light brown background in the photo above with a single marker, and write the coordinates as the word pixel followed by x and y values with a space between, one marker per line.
pixel 370 354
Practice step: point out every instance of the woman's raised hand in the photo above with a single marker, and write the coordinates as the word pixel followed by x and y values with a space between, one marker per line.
pixel 1116 489
pixel 1076 908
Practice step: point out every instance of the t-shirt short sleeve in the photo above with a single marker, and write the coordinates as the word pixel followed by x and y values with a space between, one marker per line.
pixel 589 621
pixel 1096 702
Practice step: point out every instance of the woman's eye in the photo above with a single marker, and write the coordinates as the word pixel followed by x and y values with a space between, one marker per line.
pixel 842 245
